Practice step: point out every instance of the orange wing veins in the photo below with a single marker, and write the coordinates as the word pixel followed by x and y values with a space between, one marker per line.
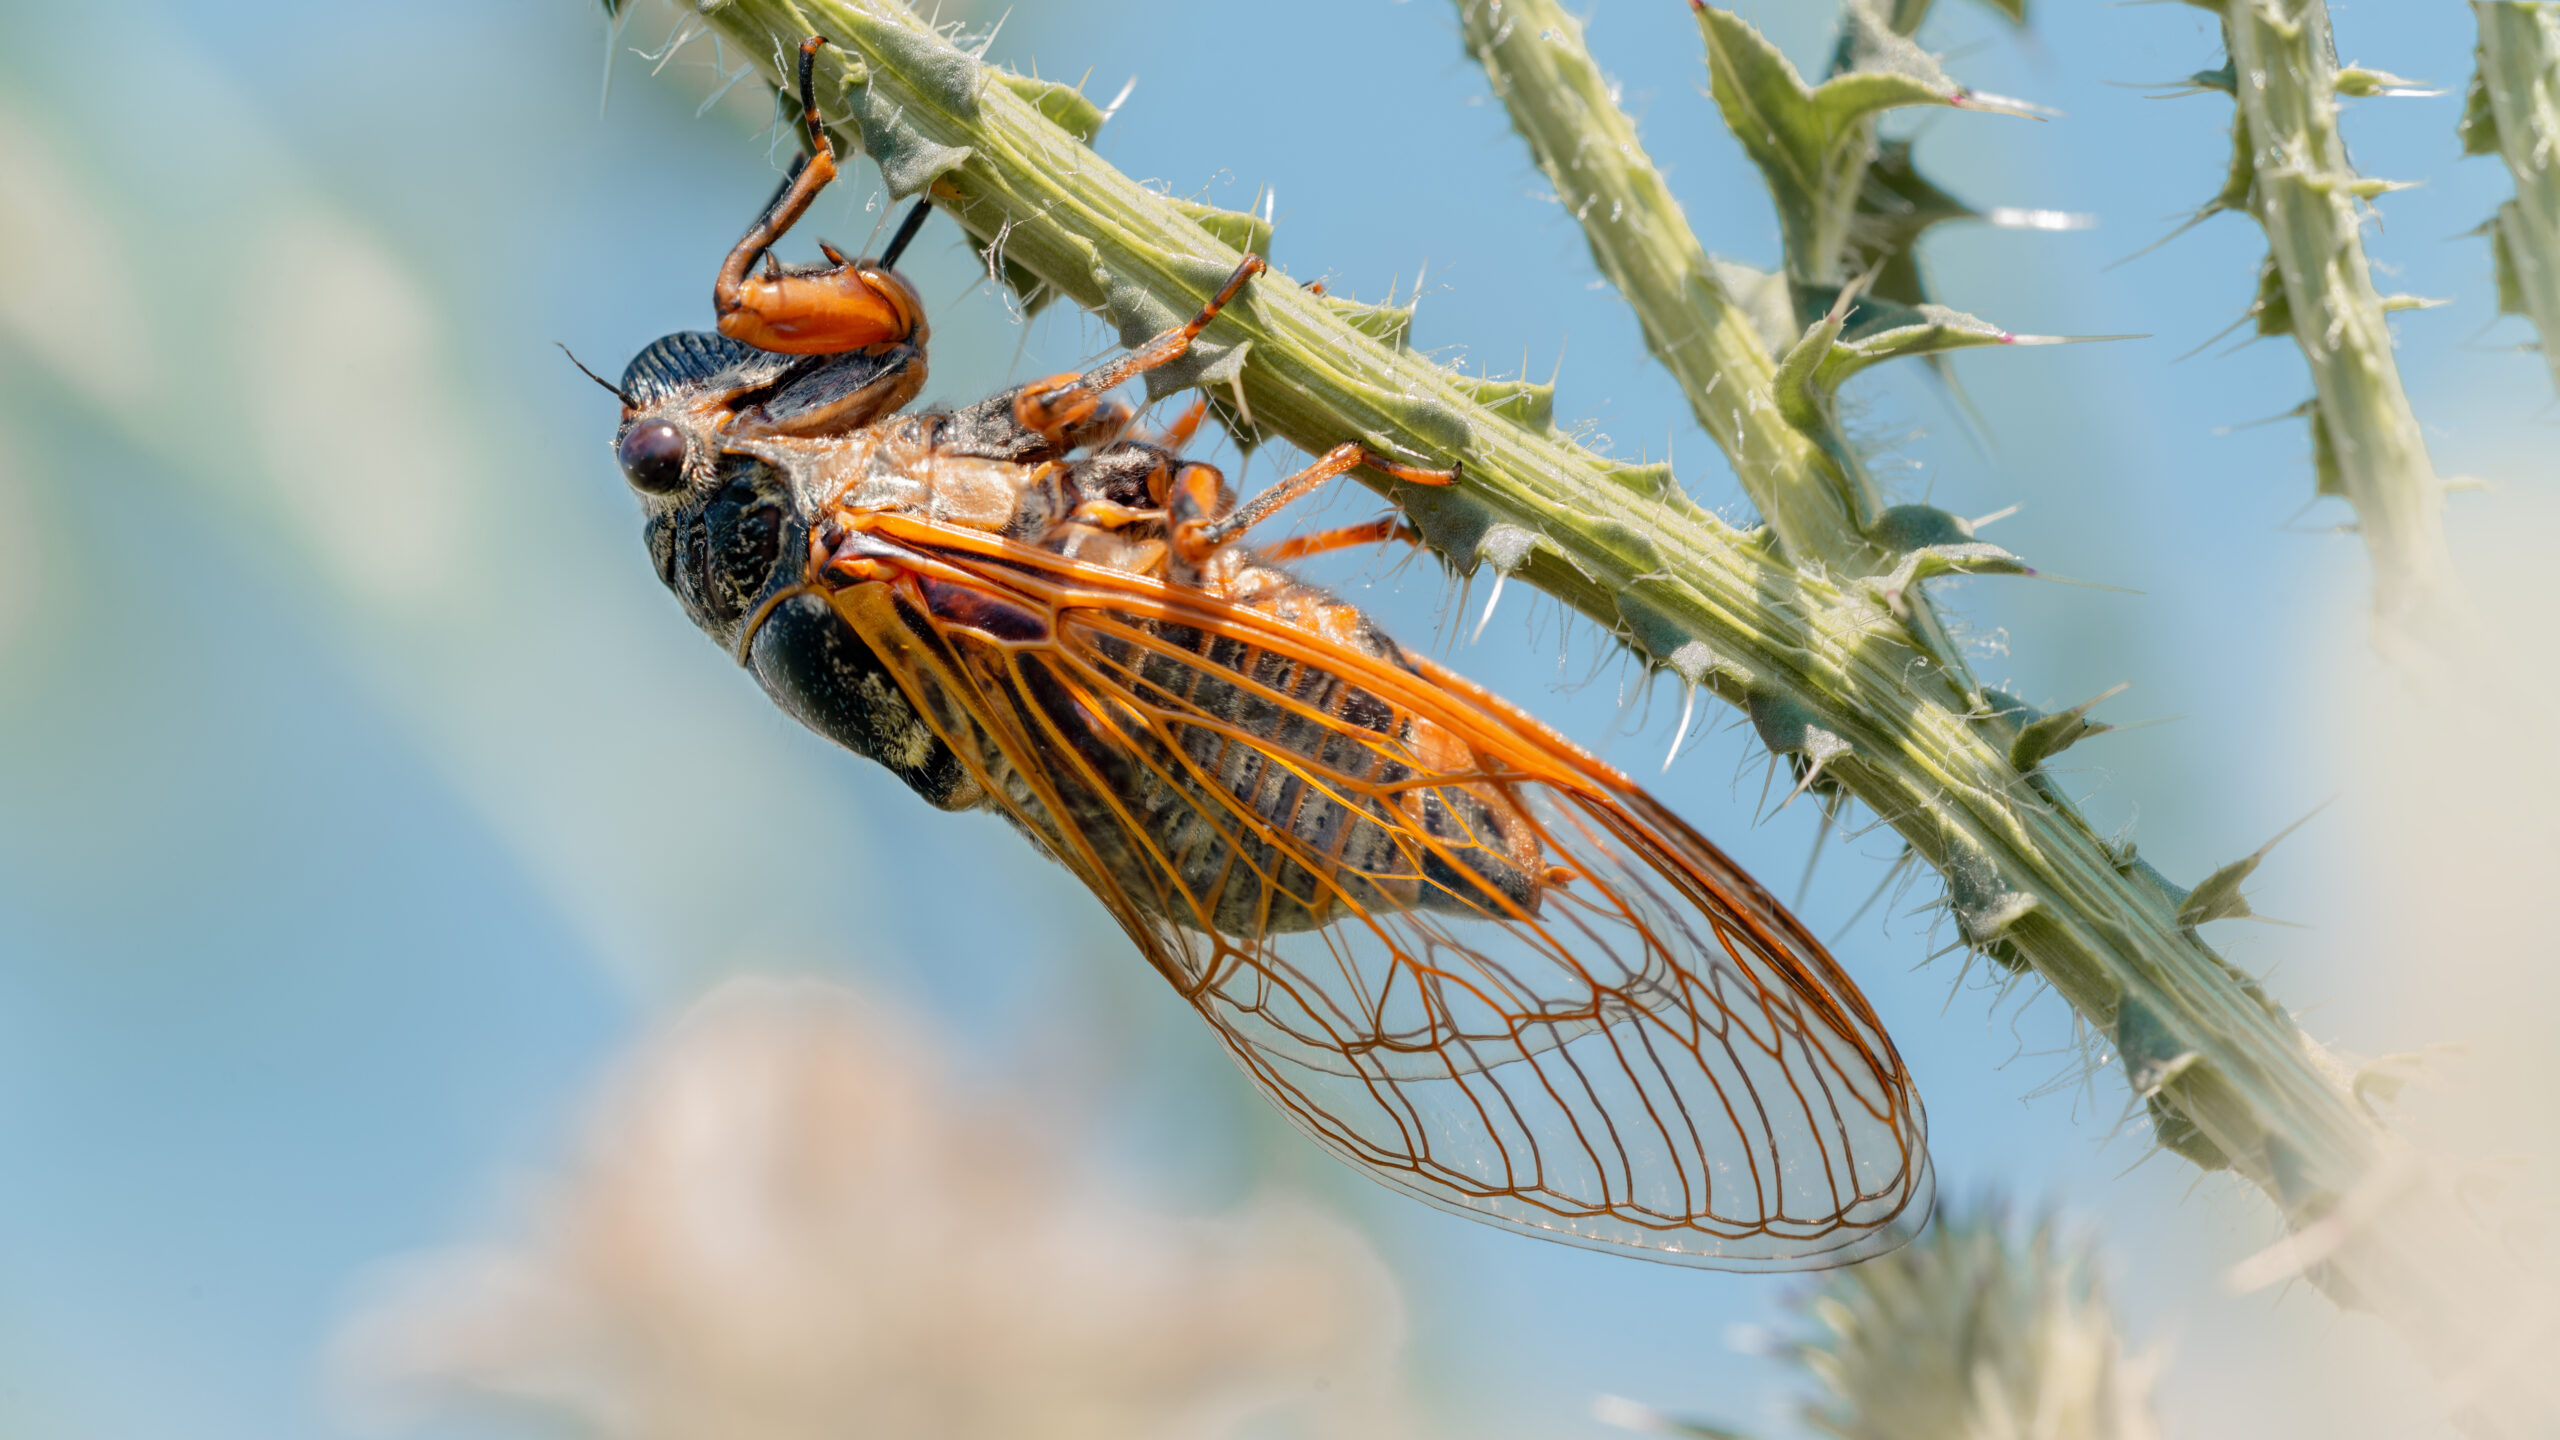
pixel 1650 1054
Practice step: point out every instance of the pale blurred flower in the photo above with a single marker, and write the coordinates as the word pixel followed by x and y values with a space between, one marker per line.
pixel 787 1223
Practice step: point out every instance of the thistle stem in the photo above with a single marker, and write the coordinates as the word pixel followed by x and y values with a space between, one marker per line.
pixel 2520 73
pixel 2304 193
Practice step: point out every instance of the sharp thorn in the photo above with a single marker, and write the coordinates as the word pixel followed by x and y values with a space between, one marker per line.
pixel 1688 708
pixel 1500 579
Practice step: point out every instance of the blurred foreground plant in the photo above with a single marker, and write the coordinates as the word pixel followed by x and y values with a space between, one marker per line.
pixel 784 1224
pixel 1968 1333
pixel 2513 112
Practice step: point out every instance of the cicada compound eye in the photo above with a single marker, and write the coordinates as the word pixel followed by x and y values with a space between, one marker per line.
pixel 652 454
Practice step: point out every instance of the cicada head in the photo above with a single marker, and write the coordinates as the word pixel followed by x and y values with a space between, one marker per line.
pixel 726 524
pixel 719 518
pixel 720 440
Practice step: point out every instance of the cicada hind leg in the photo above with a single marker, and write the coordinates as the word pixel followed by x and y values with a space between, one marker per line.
pixel 831 309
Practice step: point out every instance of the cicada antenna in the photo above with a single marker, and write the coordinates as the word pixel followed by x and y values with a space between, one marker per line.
pixel 907 229
pixel 616 391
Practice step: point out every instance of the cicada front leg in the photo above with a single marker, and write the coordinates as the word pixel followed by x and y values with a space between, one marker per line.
pixel 831 309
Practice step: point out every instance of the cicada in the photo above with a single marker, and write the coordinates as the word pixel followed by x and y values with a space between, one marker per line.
pixel 1457 949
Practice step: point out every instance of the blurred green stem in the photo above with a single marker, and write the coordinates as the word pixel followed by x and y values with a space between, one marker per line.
pixel 2306 195
pixel 2520 79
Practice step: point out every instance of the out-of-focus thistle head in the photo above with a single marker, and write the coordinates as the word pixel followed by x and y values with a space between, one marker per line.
pixel 1975 1332
pixel 1971 1332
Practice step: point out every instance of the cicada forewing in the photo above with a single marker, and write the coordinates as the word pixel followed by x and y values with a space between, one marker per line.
pixel 1461 952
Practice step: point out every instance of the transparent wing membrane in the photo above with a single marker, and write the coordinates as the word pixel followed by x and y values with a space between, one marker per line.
pixel 1457 950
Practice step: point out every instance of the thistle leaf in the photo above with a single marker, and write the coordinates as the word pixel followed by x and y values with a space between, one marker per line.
pixel 1813 143
pixel 1238 231
pixel 1390 325
pixel 2478 129
pixel 1065 105
pixel 2046 736
pixel 2218 897
pixel 1526 402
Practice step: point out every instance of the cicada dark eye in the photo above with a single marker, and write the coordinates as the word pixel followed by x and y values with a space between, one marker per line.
pixel 653 456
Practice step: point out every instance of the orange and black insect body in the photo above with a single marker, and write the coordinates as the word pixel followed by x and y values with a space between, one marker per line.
pixel 1454 947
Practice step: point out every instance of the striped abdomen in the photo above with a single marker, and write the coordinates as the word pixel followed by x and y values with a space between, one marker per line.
pixel 1255 791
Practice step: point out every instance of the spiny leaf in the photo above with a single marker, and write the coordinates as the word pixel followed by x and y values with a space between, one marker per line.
pixel 1788 727
pixel 2043 738
pixel 1065 105
pixel 2151 1054
pixel 1653 479
pixel 2360 82
pixel 1763 296
pixel 1936 331
pixel 2325 479
pixel 2502 261
pixel 1801 400
pixel 2273 311
pixel 1238 231
pixel 1526 402
pixel 1812 143
pixel 1932 543
pixel 2218 897
pixel 1983 902
pixel 2238 177
pixel 2478 129
pixel 1856 331
pixel 1387 324
pixel 2182 1137
pixel 1896 206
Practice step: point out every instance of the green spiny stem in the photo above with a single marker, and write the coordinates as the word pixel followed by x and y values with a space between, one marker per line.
pixel 1814 495
pixel 2520 79
pixel 2306 196
pixel 1558 99
pixel 1809 654
pixel 2410 1256
pixel 1533 54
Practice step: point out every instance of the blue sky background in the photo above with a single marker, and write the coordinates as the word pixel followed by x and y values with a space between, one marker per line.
pixel 362 795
